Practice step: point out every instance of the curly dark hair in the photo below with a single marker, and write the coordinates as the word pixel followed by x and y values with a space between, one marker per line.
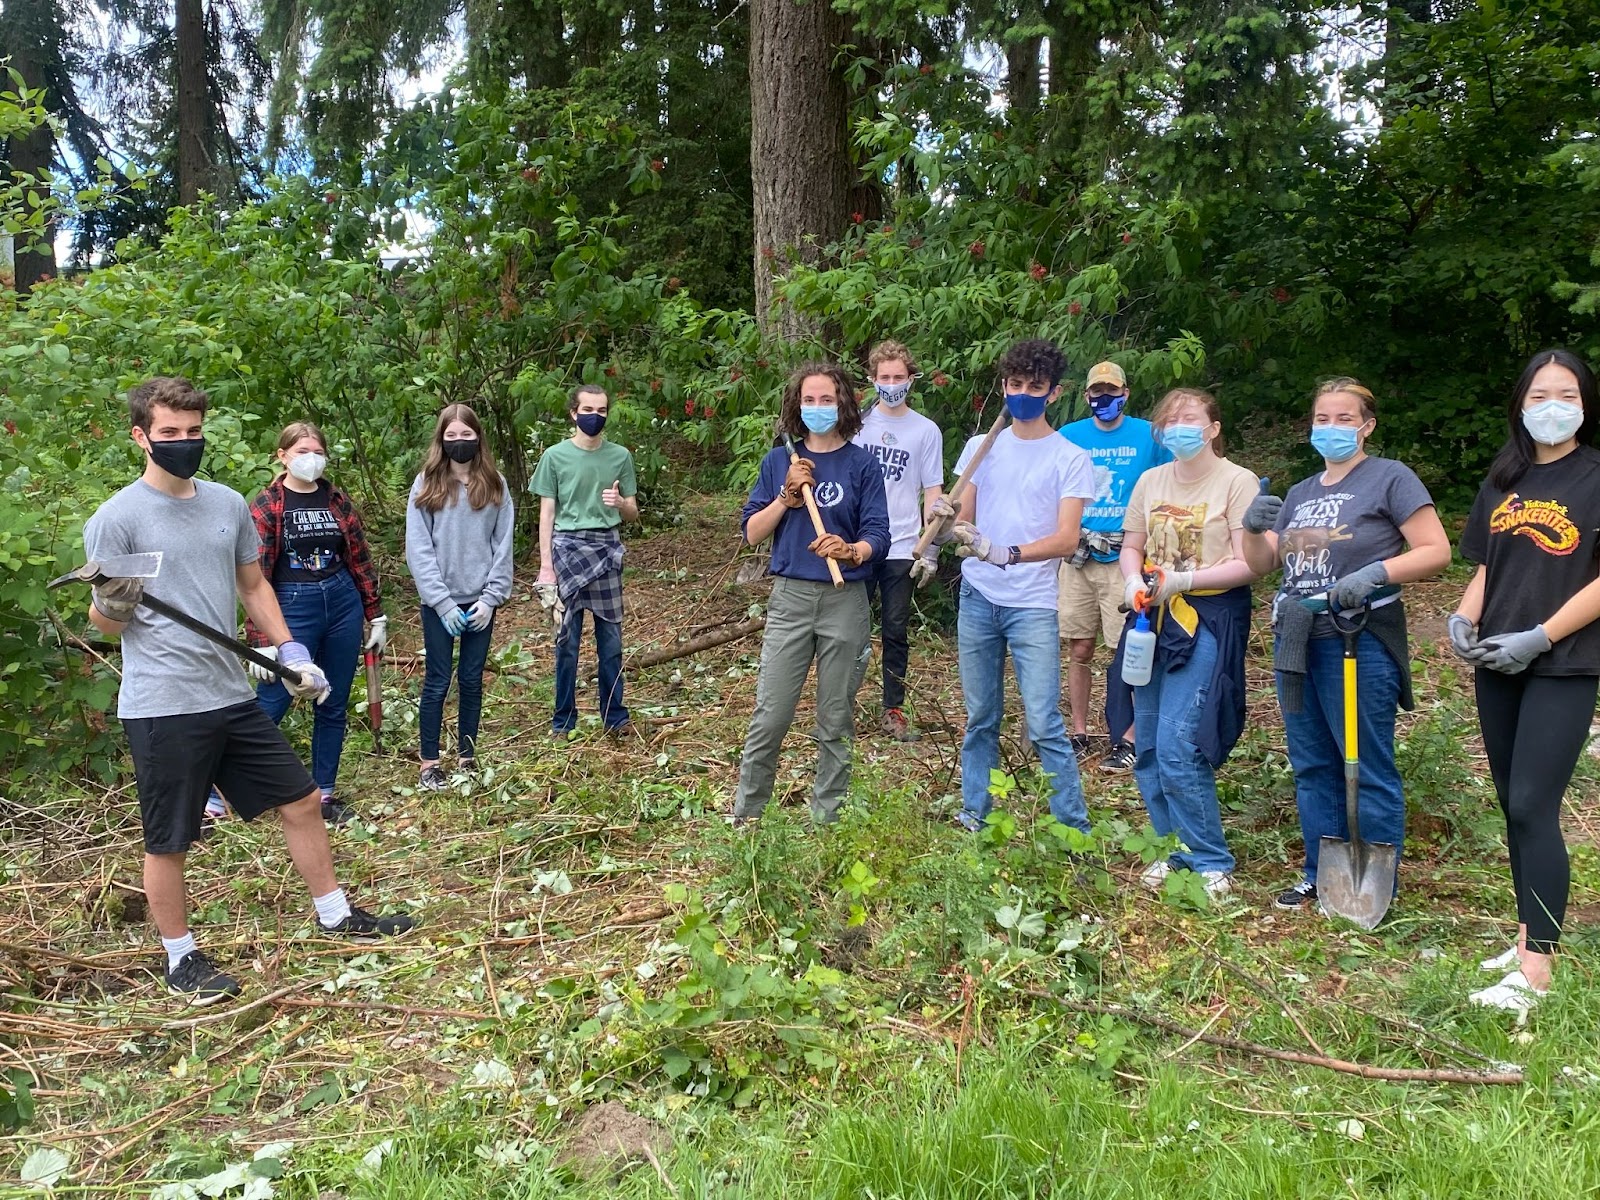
pixel 1034 358
pixel 849 406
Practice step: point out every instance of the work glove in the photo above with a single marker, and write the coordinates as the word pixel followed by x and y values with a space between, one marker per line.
pixel 831 545
pixel 256 671
pixel 479 615
pixel 1352 590
pixel 924 568
pixel 1464 638
pixel 972 544
pixel 1131 587
pixel 1510 653
pixel 942 514
pixel 1262 514
pixel 799 474
pixel 1169 584
pixel 378 634
pixel 455 622
pixel 313 682
pixel 117 598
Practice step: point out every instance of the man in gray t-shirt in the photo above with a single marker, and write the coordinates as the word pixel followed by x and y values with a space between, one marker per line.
pixel 191 718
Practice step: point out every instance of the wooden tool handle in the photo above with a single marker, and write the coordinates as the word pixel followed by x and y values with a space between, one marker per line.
pixel 816 516
pixel 962 480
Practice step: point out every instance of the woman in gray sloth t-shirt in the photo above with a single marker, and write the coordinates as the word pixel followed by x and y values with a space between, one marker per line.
pixel 1359 525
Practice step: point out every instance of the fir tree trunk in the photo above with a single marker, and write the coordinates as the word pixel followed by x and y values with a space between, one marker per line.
pixel 36 151
pixel 195 167
pixel 799 142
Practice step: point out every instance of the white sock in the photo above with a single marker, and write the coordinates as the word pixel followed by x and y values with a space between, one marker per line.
pixel 327 794
pixel 332 908
pixel 178 949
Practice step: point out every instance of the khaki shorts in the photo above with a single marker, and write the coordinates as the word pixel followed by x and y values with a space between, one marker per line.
pixel 1088 602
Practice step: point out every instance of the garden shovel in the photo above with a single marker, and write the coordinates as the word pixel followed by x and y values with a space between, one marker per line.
pixel 1355 878
pixel 373 661
pixel 148 566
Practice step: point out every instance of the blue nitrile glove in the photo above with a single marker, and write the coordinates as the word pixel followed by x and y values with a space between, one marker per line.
pixel 313 682
pixel 1510 653
pixel 456 623
pixel 1352 590
pixel 481 614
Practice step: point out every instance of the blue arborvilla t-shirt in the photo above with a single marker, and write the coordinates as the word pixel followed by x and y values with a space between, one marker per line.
pixel 1120 456
pixel 850 497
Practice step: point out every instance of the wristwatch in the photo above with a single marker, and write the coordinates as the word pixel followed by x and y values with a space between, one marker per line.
pixel 1014 556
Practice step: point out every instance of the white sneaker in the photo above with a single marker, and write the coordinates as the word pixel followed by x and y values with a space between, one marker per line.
pixel 1155 875
pixel 1512 994
pixel 1218 883
pixel 1506 960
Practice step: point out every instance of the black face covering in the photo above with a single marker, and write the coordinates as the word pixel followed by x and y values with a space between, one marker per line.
pixel 463 450
pixel 180 458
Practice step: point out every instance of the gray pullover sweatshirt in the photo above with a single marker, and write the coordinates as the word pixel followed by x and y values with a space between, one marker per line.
pixel 459 555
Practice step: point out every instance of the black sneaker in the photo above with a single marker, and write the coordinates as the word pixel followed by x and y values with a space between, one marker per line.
pixel 1301 895
pixel 336 812
pixel 197 977
pixel 1120 758
pixel 1080 746
pixel 432 779
pixel 363 926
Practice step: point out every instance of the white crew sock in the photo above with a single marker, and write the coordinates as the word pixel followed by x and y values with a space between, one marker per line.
pixel 332 908
pixel 178 949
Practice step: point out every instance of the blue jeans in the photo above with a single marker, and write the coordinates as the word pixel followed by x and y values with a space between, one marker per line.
pixel 608 647
pixel 1316 746
pixel 985 633
pixel 440 648
pixel 1178 785
pixel 324 617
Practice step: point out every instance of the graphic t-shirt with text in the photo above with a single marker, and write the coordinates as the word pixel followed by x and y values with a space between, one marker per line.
pixel 1120 457
pixel 910 450
pixel 312 542
pixel 1540 542
pixel 1326 531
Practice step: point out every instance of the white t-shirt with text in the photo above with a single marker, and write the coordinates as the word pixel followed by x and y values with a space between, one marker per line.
pixel 910 451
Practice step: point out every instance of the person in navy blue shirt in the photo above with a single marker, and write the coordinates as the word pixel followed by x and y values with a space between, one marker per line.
pixel 808 619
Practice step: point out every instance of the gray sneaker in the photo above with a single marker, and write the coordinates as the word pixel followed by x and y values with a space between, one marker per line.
pixel 432 779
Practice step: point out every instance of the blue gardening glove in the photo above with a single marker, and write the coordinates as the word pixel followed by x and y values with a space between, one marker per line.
pixel 972 544
pixel 1262 514
pixel 455 623
pixel 1464 638
pixel 1510 653
pixel 313 682
pixel 1352 590
pixel 479 616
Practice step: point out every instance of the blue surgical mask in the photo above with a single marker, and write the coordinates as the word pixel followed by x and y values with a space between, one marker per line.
pixel 1185 441
pixel 1553 421
pixel 1107 408
pixel 820 418
pixel 1024 407
pixel 893 394
pixel 1336 443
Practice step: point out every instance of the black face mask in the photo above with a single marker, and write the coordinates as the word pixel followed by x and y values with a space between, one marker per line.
pixel 180 458
pixel 591 423
pixel 463 450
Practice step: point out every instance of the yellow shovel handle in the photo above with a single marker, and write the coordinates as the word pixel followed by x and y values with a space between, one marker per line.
pixel 1349 707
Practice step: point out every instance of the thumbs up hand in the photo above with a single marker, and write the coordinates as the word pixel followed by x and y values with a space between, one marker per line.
pixel 611 497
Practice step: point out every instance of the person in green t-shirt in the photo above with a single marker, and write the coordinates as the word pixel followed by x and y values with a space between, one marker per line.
pixel 587 488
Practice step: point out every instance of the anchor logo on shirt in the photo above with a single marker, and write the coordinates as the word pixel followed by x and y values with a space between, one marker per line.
pixel 828 494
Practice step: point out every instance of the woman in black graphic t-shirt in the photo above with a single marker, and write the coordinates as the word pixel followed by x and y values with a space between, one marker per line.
pixel 1527 623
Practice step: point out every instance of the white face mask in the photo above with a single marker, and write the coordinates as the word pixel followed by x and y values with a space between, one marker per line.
pixel 307 467
pixel 893 394
pixel 1553 421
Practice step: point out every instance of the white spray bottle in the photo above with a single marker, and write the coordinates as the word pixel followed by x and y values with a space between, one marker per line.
pixel 1139 652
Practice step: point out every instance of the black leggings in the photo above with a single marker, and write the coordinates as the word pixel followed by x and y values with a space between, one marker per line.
pixel 1534 727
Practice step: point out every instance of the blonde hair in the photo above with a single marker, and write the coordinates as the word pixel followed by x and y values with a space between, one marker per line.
pixel 1167 411
pixel 1347 383
pixel 484 485
pixel 889 352
pixel 293 432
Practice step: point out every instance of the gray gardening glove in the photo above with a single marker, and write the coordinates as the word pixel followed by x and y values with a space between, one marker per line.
pixel 117 598
pixel 1262 514
pixel 1464 638
pixel 1510 653
pixel 1351 591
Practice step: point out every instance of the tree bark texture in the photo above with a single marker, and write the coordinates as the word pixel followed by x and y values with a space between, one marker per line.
pixel 799 143
pixel 21 34
pixel 195 166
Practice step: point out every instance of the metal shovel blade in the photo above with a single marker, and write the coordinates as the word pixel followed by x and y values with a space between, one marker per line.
pixel 1355 880
pixel 123 566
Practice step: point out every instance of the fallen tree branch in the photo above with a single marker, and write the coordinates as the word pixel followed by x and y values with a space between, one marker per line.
pixel 708 641
pixel 1512 1077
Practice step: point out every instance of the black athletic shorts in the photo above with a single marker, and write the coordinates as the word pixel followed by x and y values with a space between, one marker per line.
pixel 177 759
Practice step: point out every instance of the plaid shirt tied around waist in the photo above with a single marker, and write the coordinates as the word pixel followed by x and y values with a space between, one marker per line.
pixel 588 567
